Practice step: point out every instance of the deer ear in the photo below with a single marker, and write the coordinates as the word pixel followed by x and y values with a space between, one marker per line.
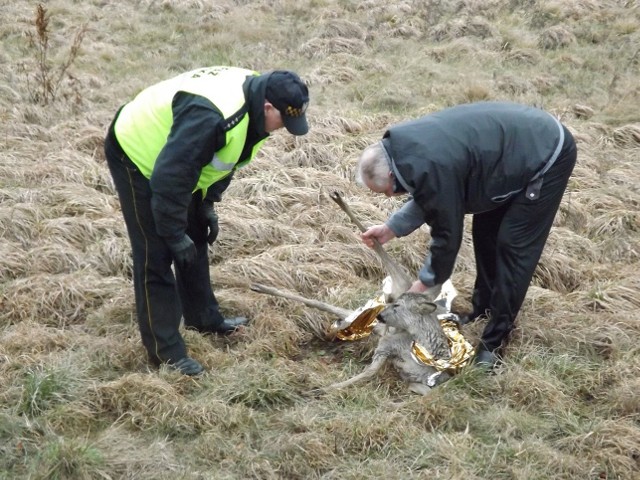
pixel 427 307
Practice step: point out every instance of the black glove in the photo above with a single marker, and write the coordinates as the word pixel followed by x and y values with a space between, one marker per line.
pixel 184 252
pixel 209 219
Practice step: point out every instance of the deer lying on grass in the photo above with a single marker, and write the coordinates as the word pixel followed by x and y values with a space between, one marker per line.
pixel 407 325
pixel 412 319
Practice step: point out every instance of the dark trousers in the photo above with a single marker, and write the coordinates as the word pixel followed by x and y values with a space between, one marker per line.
pixel 508 243
pixel 162 298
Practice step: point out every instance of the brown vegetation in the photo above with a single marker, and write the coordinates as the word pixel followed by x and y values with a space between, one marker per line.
pixel 78 399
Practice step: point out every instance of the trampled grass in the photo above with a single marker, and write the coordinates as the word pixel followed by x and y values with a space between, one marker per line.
pixel 78 399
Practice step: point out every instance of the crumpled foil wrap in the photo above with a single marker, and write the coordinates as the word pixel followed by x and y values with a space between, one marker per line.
pixel 362 321
pixel 461 350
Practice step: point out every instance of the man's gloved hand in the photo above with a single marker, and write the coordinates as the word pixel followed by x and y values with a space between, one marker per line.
pixel 184 252
pixel 209 219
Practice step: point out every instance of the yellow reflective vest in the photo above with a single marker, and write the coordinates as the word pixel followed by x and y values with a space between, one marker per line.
pixel 144 124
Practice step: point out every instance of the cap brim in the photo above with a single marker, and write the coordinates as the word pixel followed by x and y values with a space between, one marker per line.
pixel 296 125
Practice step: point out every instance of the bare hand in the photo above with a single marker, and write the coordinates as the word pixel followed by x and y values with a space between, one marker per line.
pixel 382 233
pixel 432 291
pixel 418 287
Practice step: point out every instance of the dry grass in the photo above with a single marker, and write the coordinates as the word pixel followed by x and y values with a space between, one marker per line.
pixel 78 399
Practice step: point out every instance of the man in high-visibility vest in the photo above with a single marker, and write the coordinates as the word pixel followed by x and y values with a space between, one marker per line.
pixel 172 151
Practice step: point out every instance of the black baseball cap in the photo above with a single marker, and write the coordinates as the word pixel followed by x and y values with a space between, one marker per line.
pixel 288 93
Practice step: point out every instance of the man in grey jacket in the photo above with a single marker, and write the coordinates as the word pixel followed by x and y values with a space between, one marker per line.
pixel 508 165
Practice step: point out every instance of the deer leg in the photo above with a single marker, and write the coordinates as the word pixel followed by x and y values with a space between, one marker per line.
pixel 419 388
pixel 325 307
pixel 368 373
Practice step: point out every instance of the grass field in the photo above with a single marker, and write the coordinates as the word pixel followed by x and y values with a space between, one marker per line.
pixel 77 397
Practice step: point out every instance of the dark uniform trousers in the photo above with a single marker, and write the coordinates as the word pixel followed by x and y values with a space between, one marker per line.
pixel 162 298
pixel 508 243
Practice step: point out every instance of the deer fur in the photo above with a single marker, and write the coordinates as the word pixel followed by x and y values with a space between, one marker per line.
pixel 413 317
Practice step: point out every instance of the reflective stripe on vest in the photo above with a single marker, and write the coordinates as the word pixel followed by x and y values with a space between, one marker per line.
pixel 144 124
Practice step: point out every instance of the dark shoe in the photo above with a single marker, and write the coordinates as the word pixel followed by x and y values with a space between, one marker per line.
pixel 230 325
pixel 486 359
pixel 186 366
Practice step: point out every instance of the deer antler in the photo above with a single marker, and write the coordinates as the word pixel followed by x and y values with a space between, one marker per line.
pixel 401 281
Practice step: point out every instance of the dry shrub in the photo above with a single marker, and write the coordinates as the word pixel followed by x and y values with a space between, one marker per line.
pixel 70 419
pixel 627 136
pixel 532 391
pixel 80 200
pixel 116 348
pixel 55 257
pixel 12 260
pixel 582 111
pixel 558 272
pixel 611 337
pixel 612 443
pixel 563 266
pixel 477 27
pixel 476 93
pixel 265 384
pixel 176 5
pixel 303 453
pixel 552 12
pixel 545 322
pixel 341 28
pixel 74 232
pixel 111 257
pixel 32 338
pixel 612 213
pixel 609 294
pixel 318 48
pixel 619 176
pixel 150 402
pixel 129 456
pixel 573 9
pixel 523 56
pixel 63 299
pixel 306 279
pixel 615 222
pixel 555 37
pixel 622 398
pixel 513 86
pixel 117 310
pixel 338 75
pixel 19 223
pixel 244 235
pixel 89 140
pixel 321 157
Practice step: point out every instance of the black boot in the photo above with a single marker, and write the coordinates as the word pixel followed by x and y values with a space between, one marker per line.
pixel 485 358
pixel 228 325
pixel 186 365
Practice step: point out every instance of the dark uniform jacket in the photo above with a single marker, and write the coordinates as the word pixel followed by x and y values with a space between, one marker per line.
pixel 196 134
pixel 469 158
